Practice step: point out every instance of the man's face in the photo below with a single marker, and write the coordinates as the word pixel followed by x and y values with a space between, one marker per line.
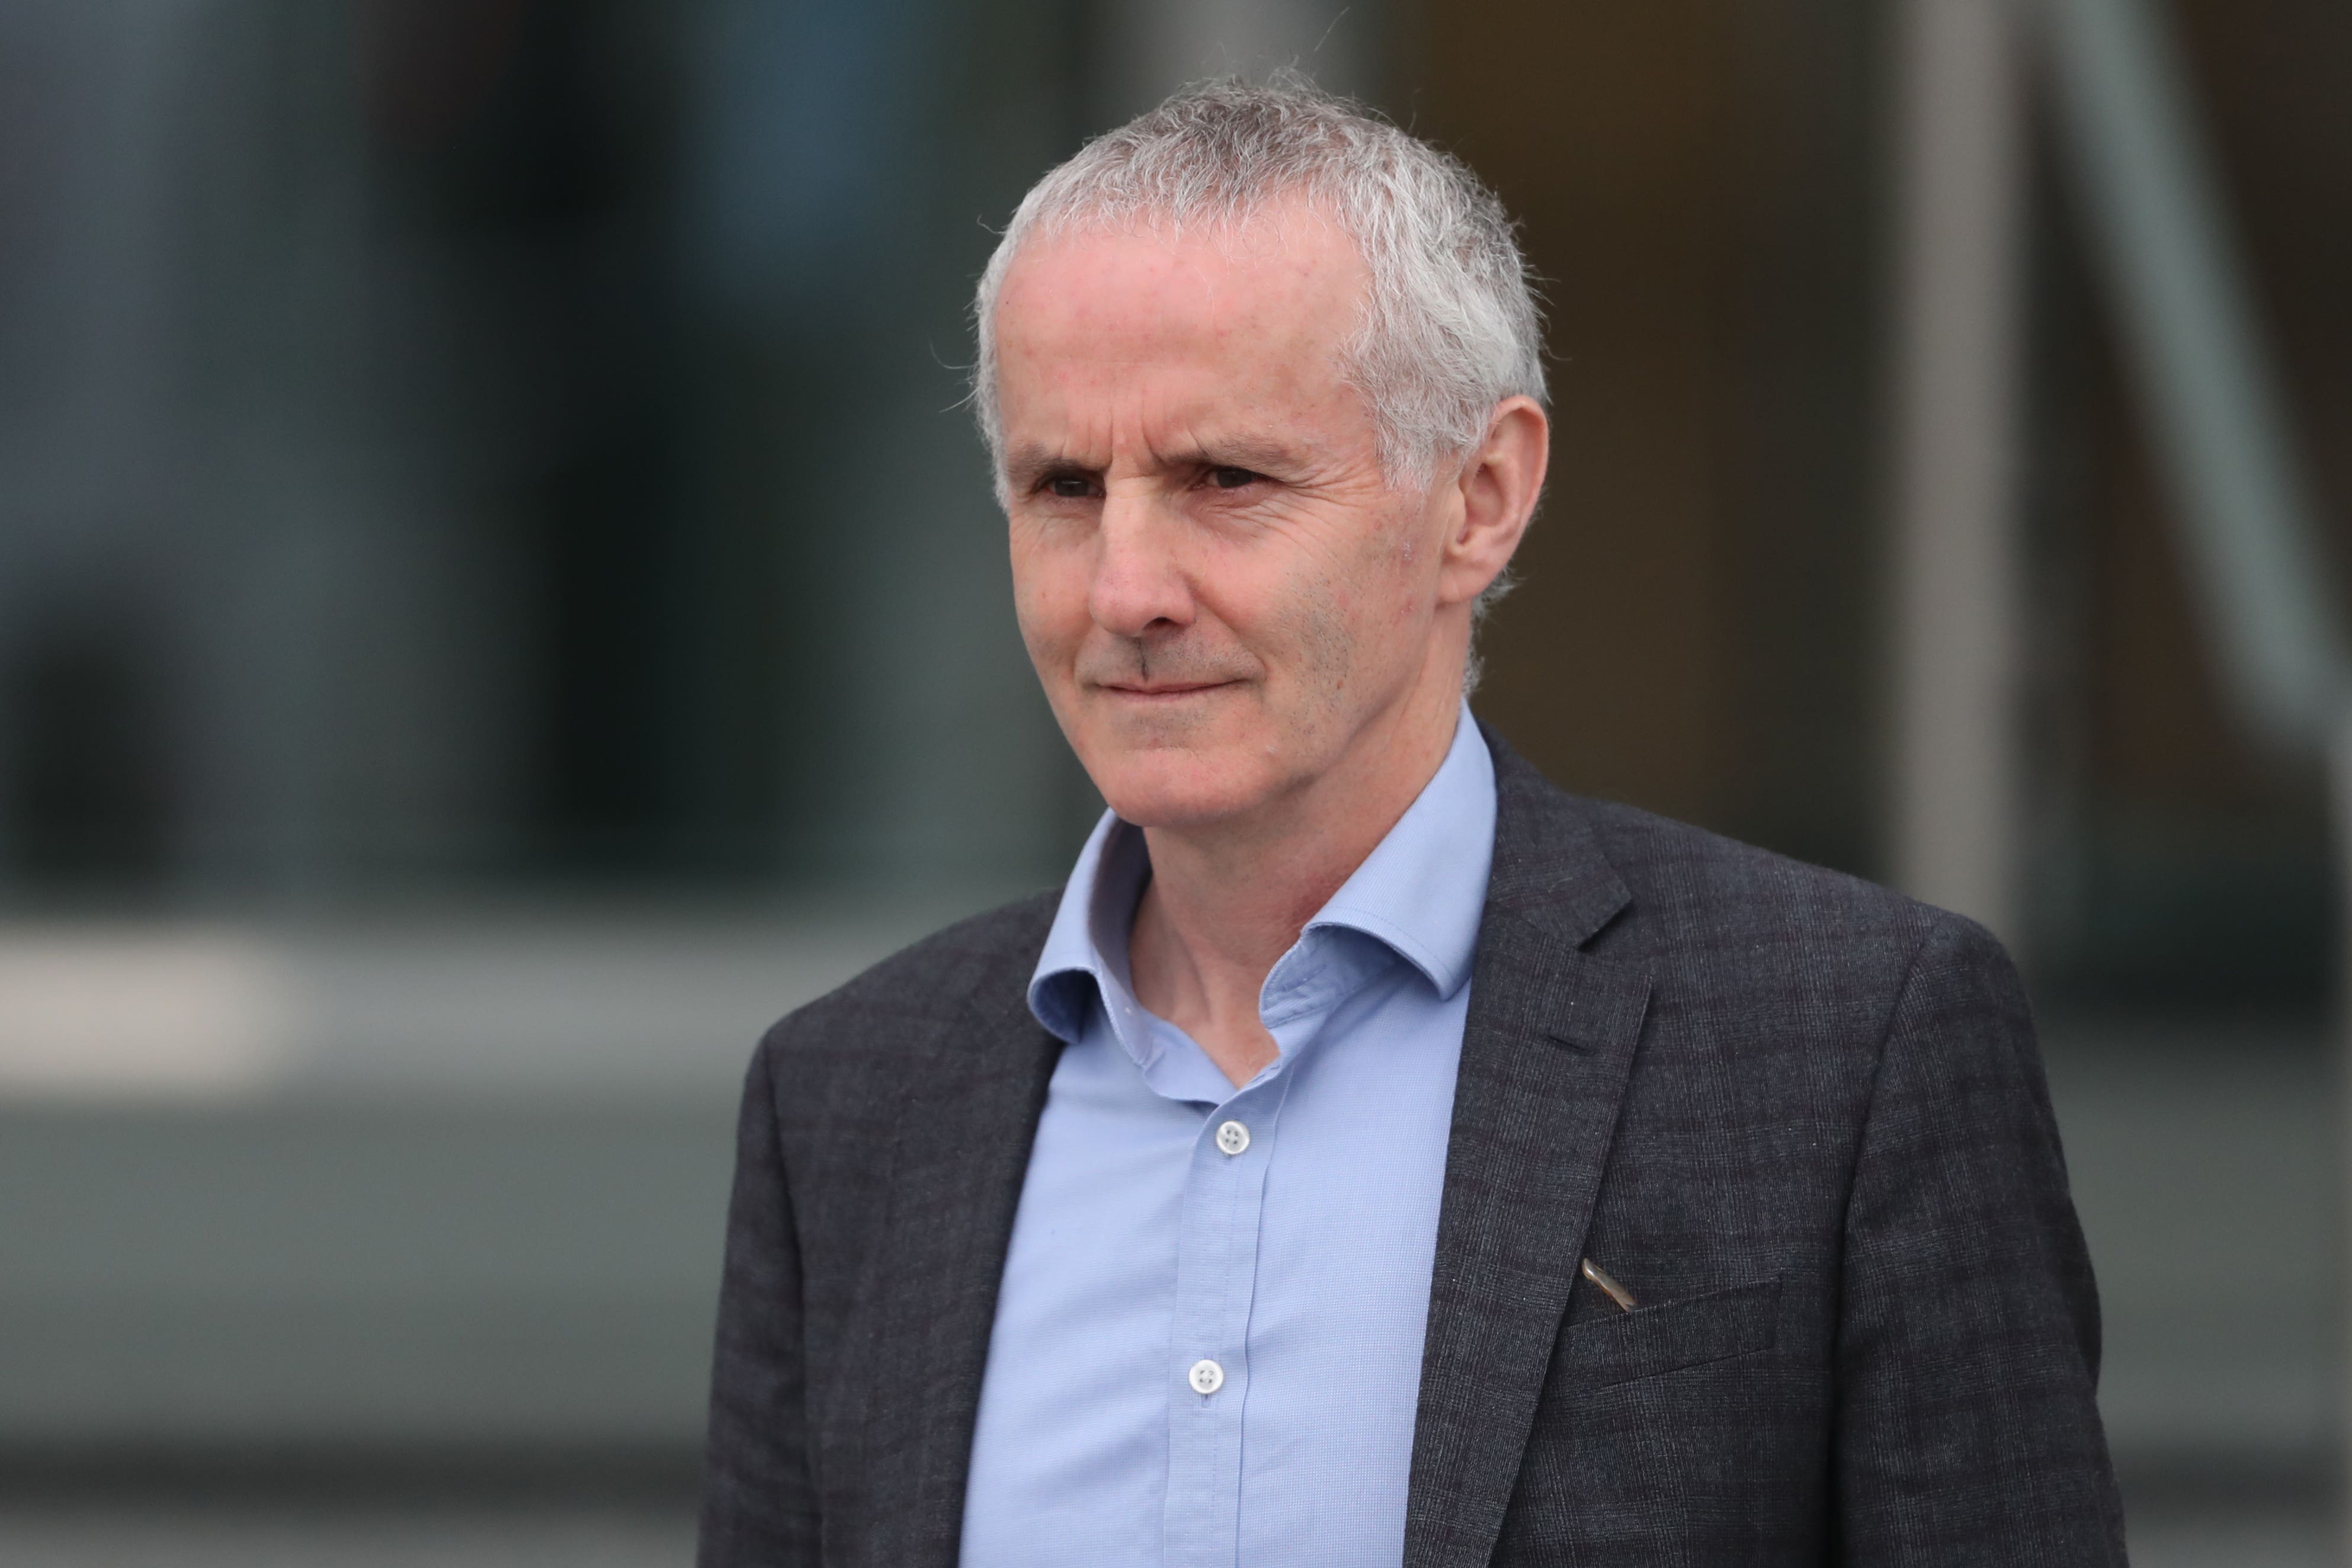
pixel 1224 596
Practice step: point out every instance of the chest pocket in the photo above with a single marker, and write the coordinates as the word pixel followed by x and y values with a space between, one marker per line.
pixel 1740 1320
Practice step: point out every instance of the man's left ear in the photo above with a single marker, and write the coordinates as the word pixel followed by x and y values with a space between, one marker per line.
pixel 1500 482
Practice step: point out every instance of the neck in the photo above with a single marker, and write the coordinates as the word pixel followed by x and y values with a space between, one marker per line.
pixel 1227 899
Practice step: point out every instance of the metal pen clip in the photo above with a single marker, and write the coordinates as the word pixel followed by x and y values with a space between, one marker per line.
pixel 1609 1287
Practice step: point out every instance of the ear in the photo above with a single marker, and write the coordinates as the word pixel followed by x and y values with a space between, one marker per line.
pixel 1500 483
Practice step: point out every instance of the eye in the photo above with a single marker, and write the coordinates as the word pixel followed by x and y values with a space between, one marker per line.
pixel 1070 486
pixel 1230 478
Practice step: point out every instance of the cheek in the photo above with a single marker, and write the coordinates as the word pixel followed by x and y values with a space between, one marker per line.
pixel 1384 590
pixel 1352 613
pixel 1049 599
pixel 1322 636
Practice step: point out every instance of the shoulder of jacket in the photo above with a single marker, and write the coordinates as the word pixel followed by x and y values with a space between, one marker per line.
pixel 1787 964
pixel 1696 891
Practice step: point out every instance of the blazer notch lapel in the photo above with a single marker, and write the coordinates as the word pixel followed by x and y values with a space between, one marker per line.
pixel 1546 1054
pixel 969 1119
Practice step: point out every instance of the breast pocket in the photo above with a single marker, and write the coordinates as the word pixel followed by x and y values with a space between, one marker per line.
pixel 1648 1342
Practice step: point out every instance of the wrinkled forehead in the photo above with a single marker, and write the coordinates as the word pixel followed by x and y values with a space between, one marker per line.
pixel 1119 343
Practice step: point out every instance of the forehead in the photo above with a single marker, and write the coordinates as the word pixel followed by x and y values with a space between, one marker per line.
pixel 1097 318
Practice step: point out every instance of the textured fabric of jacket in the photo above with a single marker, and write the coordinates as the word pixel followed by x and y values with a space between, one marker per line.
pixel 1802 1119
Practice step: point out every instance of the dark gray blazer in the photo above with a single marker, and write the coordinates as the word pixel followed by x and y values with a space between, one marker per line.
pixel 1800 1118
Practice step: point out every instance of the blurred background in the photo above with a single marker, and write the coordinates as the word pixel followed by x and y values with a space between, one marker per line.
pixel 498 601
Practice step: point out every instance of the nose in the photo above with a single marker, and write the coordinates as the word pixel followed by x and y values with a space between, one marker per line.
pixel 1139 587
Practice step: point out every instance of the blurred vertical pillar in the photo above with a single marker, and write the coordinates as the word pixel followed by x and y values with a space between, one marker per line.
pixel 1958 762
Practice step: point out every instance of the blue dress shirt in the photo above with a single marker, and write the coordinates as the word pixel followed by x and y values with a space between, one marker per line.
pixel 1207 1347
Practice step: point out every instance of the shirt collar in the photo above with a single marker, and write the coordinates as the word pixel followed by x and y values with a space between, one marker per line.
pixel 1423 887
pixel 1088 938
pixel 1420 892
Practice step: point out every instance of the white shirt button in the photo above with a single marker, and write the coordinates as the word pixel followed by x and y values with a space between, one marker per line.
pixel 1232 1139
pixel 1207 1376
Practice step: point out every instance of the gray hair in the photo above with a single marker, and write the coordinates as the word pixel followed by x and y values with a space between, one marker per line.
pixel 1449 326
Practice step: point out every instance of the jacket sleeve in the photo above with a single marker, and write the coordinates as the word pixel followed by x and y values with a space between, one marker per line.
pixel 1968 1428
pixel 759 1502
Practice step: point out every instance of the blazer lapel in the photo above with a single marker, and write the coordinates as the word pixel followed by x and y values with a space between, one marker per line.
pixel 961 1153
pixel 1545 1055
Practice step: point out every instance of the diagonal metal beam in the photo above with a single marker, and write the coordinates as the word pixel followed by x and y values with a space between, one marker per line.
pixel 2187 321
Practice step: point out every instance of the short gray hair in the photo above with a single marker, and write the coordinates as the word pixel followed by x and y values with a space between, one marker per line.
pixel 1451 326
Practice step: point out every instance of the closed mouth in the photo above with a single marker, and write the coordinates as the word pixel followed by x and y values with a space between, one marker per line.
pixel 1170 689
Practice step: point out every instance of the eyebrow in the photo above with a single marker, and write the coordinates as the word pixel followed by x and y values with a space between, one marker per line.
pixel 1027 465
pixel 1251 451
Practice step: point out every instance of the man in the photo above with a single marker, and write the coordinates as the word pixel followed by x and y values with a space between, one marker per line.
pixel 1373 1155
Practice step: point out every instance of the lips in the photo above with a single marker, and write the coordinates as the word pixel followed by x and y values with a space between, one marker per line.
pixel 1168 689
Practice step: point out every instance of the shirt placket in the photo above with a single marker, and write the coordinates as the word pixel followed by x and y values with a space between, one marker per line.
pixel 1208 1363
